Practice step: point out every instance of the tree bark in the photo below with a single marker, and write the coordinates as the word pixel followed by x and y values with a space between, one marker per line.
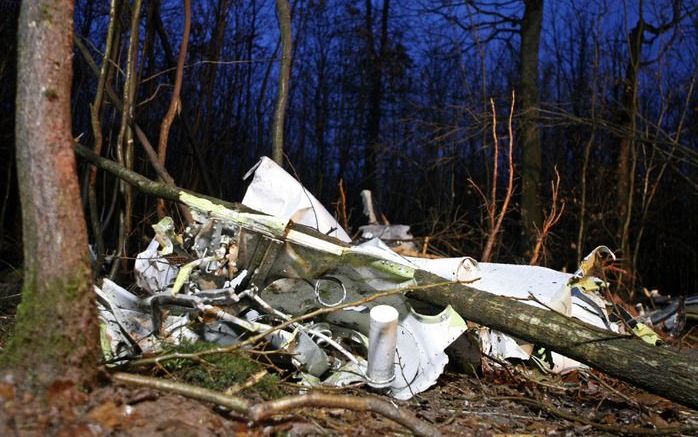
pixel 175 102
pixel 625 172
pixel 531 209
pixel 656 369
pixel 376 61
pixel 283 11
pixel 56 334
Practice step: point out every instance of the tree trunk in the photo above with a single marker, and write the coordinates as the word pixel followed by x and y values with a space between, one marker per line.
pixel 56 334
pixel 654 368
pixel 283 11
pixel 531 209
pixel 375 100
pixel 625 172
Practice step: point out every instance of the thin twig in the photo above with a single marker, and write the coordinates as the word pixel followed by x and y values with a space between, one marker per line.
pixel 254 339
pixel 496 226
pixel 251 381
pixel 175 103
pixel 551 218
pixel 238 405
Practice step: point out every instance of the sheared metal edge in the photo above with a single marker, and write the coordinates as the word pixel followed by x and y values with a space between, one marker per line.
pixel 277 228
pixel 431 336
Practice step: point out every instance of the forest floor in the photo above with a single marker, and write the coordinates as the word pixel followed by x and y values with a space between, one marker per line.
pixel 499 401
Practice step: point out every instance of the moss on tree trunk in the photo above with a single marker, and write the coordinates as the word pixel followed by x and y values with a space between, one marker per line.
pixel 56 334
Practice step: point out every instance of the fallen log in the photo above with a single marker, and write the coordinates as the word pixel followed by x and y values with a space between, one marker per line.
pixel 657 369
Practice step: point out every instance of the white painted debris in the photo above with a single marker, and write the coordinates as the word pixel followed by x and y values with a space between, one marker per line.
pixel 275 192
pixel 382 341
pixel 421 343
pixel 153 272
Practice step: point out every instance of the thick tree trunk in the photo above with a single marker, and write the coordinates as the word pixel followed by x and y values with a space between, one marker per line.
pixel 56 334
pixel 531 210
pixel 654 368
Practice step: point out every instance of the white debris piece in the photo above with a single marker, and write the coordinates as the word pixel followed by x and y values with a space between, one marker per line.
pixel 153 272
pixel 421 343
pixel 464 269
pixel 275 192
pixel 294 270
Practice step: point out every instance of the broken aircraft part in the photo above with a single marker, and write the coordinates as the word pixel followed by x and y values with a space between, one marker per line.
pixel 232 274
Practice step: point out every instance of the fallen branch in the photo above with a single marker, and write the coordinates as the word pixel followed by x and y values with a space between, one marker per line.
pixel 145 185
pixel 238 405
pixel 657 369
pixel 371 404
pixel 265 410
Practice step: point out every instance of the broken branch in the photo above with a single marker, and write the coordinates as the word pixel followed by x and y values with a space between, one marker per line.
pixel 265 410
pixel 238 405
pixel 365 403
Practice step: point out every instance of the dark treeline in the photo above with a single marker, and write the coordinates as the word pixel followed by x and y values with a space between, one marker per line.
pixel 397 97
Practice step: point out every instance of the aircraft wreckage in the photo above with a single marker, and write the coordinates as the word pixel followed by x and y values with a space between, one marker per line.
pixel 281 266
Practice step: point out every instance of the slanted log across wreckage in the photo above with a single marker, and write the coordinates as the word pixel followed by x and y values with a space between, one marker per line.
pixel 659 370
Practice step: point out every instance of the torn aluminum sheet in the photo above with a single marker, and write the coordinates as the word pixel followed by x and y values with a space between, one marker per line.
pixel 127 326
pixel 425 337
pixel 397 237
pixel 153 272
pixel 275 192
pixel 546 288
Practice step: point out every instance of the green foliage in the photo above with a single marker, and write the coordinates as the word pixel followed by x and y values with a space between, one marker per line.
pixel 220 371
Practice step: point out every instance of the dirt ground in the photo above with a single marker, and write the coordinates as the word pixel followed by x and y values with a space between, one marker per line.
pixel 512 400
pixel 501 402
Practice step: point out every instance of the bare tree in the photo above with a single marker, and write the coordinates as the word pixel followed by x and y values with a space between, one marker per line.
pixel 531 208
pixel 376 60
pixel 283 11
pixel 628 113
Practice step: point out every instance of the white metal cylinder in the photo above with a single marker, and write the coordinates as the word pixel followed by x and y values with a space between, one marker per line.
pixel 382 341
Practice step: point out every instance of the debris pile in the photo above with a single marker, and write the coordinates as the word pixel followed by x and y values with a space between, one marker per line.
pixel 286 269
